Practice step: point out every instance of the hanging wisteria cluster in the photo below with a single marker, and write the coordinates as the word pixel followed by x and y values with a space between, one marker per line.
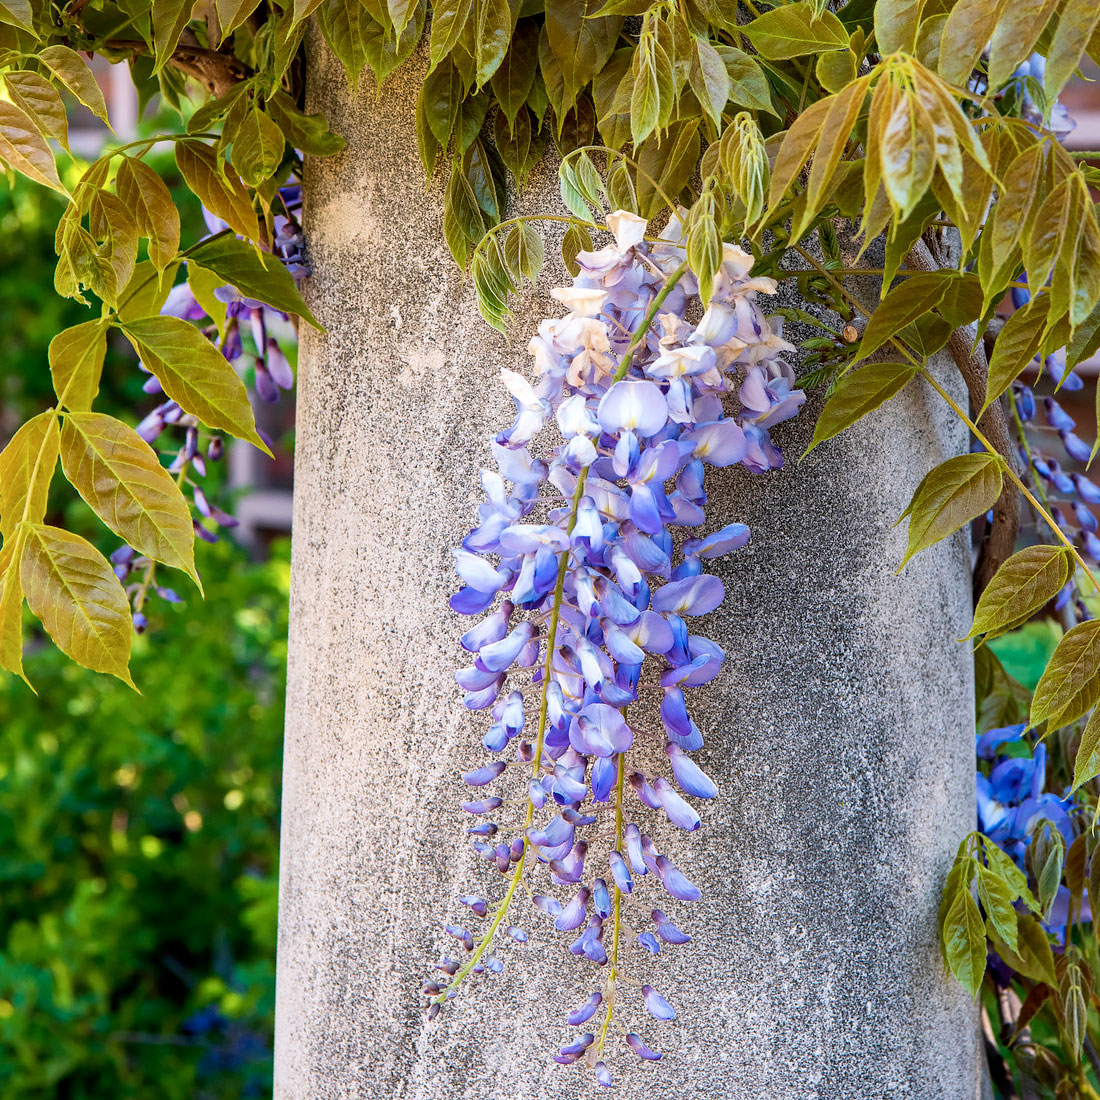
pixel 580 554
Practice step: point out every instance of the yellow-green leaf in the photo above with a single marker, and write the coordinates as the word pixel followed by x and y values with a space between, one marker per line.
pixel 1023 585
pixel 255 276
pixel 858 393
pixel 1086 766
pixel 122 481
pixel 795 149
pixel 194 374
pixel 997 900
pixel 169 19
pixel 147 197
pixel 257 148
pixel 24 149
pixel 965 34
pixel 221 192
pixel 18 13
pixel 832 139
pixel 27 465
pixel 896 23
pixel 1070 684
pixel 147 291
pixel 1014 37
pixel 76 362
pixel 904 304
pixel 964 941
pixel 11 605
pixel 794 30
pixel 233 13
pixel 952 494
pixel 1017 344
pixel 71 69
pixel 1033 957
pixel 72 589
pixel 41 102
pixel 1076 25
pixel 907 153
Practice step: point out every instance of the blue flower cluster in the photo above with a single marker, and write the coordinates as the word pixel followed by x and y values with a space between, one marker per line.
pixel 1012 804
pixel 576 564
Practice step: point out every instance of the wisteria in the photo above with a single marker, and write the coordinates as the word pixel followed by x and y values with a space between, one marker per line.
pixel 593 592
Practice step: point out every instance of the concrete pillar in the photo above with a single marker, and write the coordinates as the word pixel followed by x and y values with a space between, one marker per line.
pixel 840 732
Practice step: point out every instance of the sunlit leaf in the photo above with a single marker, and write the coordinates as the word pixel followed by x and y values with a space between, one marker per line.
pixel 18 13
pixel 71 588
pixel 896 23
pixel 996 899
pixel 24 149
pixel 794 30
pixel 1022 586
pixel 221 192
pixel 11 604
pixel 71 69
pixel 912 298
pixel 27 465
pixel 1070 684
pixel 1077 23
pixel 1017 344
pixel 169 19
pixel 76 362
pixel 953 494
pixel 965 34
pixel 856 394
pixel 1014 36
pixel 194 374
pixel 147 197
pixel 39 99
pixel 121 479
pixel 964 941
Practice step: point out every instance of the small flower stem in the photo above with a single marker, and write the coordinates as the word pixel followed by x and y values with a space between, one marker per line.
pixel 962 415
pixel 616 908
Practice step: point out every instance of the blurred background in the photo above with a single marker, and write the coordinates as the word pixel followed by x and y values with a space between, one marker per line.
pixel 139 834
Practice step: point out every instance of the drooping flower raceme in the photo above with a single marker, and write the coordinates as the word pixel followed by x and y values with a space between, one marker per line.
pixel 574 562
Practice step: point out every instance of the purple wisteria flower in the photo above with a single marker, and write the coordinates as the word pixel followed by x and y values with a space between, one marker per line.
pixel 584 590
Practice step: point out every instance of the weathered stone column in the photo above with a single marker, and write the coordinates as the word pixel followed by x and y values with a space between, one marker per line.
pixel 840 733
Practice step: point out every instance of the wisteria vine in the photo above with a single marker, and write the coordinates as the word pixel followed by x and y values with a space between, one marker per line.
pixel 590 597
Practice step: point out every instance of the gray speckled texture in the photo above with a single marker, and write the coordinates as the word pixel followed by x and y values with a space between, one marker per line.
pixel 839 733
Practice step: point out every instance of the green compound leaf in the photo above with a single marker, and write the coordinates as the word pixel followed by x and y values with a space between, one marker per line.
pixel 27 466
pixel 965 34
pixel 1017 344
pixel 257 147
pixel 71 588
pixel 953 494
pixel 121 479
pixel 147 197
pixel 220 190
pixel 1086 766
pixel 70 68
pixel 1014 37
pixel 194 374
pixel 1070 684
pixel 11 605
pixel 39 99
pixel 239 263
pixel 858 393
pixel 904 304
pixel 169 19
pixel 996 899
pixel 795 30
pixel 18 13
pixel 24 149
pixel 76 362
pixel 1023 585
pixel 964 941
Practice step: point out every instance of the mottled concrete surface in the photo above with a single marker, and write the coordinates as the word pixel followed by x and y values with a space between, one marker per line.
pixel 839 733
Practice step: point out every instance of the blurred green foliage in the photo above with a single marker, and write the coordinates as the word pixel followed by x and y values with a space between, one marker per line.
pixel 138 855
